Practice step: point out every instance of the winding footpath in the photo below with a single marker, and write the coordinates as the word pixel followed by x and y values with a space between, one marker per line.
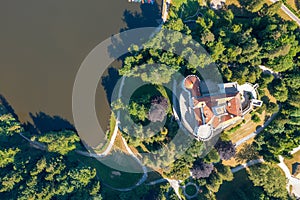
pixel 175 183
pixel 145 175
pixel 41 146
pixel 248 164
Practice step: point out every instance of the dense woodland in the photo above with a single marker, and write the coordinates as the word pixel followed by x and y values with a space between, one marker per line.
pixel 29 172
pixel 238 40
pixel 254 36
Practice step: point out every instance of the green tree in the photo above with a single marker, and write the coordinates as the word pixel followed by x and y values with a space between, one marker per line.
pixel 272 9
pixel 61 142
pixel 7 156
pixel 247 153
pixel 82 176
pixel 253 6
pixel 265 79
pixel 212 156
pixel 207 37
pixel 278 90
pixel 272 107
pixel 255 118
pixel 9 181
pixel 214 182
pixel 270 179
pixel 138 111
pixel 9 125
pixel 224 172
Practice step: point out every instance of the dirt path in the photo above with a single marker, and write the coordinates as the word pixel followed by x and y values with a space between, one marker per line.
pixel 145 175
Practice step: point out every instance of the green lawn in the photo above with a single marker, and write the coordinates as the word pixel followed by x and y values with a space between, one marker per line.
pixel 240 188
pixel 153 176
pixel 290 162
pixel 146 89
pixel 116 178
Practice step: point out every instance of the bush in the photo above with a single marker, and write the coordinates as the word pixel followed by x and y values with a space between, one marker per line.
pixel 265 99
pixel 233 129
pixel 272 107
pixel 255 118
pixel 262 108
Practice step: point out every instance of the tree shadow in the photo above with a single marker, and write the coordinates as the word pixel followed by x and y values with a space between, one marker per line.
pixel 109 82
pixel 150 16
pixel 297 4
pixel 43 123
pixel 240 12
pixel 257 128
pixel 295 167
pixel 8 107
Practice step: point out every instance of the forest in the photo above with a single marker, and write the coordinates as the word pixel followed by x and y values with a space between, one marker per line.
pixel 255 36
pixel 237 41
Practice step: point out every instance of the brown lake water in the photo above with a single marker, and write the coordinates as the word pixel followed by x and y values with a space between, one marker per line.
pixel 42 44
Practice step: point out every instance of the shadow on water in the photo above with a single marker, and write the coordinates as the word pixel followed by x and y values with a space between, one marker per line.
pixel 8 107
pixel 150 16
pixel 43 123
pixel 109 82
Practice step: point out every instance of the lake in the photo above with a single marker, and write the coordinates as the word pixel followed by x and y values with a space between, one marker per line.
pixel 43 44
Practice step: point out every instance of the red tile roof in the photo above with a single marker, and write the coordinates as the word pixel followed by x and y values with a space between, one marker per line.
pixel 232 106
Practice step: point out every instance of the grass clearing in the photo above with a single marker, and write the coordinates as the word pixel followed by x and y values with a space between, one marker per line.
pixel 268 94
pixel 233 2
pixel 153 176
pixel 290 162
pixel 233 162
pixel 240 184
pixel 284 16
pixel 247 128
pixel 119 145
pixel 114 177
pixel 280 12
pixel 293 4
